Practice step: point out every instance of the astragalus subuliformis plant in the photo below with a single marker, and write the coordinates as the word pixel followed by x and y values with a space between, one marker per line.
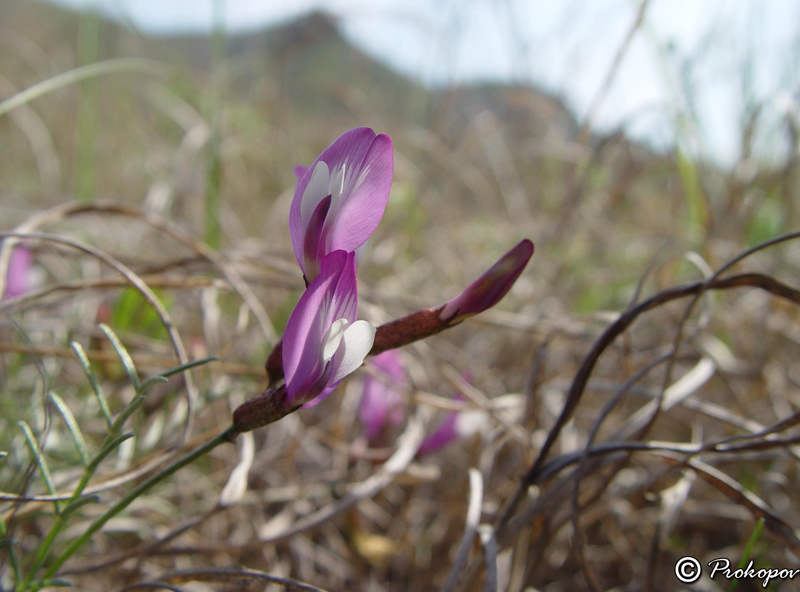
pixel 337 205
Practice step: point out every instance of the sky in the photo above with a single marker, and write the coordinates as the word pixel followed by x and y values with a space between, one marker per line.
pixel 691 74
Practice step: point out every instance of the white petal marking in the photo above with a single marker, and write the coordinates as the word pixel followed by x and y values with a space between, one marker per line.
pixel 336 187
pixel 357 340
pixel 315 192
pixel 332 339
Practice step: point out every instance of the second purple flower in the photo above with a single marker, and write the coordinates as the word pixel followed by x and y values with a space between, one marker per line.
pixel 323 341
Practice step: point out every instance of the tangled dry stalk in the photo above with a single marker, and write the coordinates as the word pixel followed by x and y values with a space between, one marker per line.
pixel 624 474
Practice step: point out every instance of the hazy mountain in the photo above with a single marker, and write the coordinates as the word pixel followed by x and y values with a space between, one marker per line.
pixel 306 63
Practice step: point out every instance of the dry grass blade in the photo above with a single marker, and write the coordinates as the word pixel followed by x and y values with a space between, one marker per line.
pixel 788 535
pixel 117 66
pixel 237 483
pixel 153 586
pixel 226 576
pixel 470 528
pixel 626 319
pixel 486 533
pixel 407 446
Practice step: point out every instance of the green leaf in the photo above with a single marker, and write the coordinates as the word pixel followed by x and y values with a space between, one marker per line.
pixel 108 449
pixel 768 221
pixel 50 584
pixel 134 313
pixel 72 426
pixel 161 378
pixel 116 427
pixel 748 551
pixel 40 460
pixel 8 543
pixel 150 382
pixel 124 356
pixel 87 369
pixel 189 365
pixel 79 503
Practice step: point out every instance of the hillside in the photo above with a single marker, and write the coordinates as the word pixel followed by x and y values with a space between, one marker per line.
pixel 307 63
pixel 288 84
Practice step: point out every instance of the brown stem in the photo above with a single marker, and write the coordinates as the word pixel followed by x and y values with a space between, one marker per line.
pixel 272 405
pixel 266 408
pixel 408 329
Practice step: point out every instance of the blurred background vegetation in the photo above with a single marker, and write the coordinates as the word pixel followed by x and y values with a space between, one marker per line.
pixel 178 163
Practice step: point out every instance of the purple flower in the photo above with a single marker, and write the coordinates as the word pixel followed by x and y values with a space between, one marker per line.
pixel 19 272
pixel 323 341
pixel 455 425
pixel 382 400
pixel 340 198
pixel 490 288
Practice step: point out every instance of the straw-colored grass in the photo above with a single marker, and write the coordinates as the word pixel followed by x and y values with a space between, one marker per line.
pixel 640 380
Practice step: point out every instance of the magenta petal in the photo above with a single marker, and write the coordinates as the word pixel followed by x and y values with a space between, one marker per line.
pixel 374 407
pixel 490 288
pixel 303 336
pixel 300 172
pixel 344 295
pixel 445 433
pixel 358 217
pixel 327 390
pixel 390 364
pixel 356 171
pixel 381 402
pixel 329 297
pixel 350 148
pixel 19 271
pixel 308 323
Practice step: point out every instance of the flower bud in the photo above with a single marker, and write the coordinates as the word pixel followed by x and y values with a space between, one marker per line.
pixel 490 288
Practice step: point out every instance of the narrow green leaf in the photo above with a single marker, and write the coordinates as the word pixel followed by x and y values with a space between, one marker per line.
pixel 50 584
pixel 189 365
pixel 108 449
pixel 87 369
pixel 40 460
pixel 79 503
pixel 125 414
pixel 72 426
pixel 150 382
pixel 138 491
pixel 124 356
pixel 6 542
pixel 748 551
pixel 172 371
